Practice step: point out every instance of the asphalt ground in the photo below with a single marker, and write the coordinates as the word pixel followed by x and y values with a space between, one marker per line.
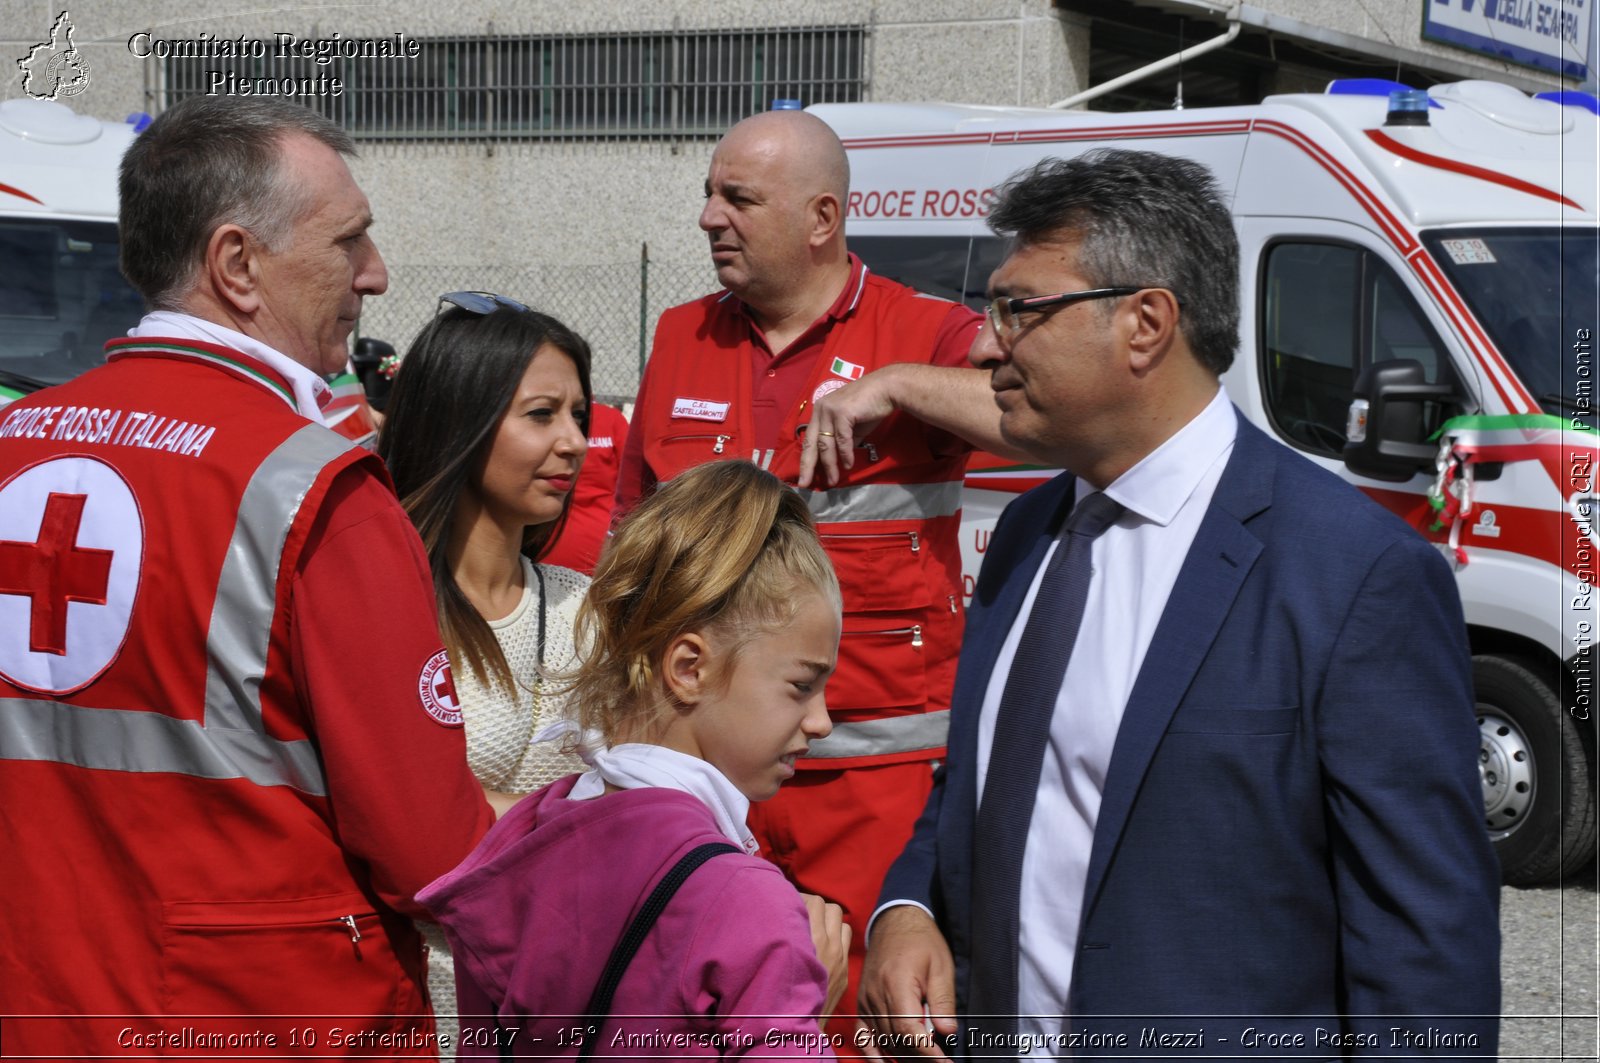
pixel 1550 938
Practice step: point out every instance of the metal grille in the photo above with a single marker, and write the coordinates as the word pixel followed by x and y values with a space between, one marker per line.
pixel 679 83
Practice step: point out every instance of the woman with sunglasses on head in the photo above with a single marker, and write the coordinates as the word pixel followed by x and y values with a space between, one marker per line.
pixel 485 432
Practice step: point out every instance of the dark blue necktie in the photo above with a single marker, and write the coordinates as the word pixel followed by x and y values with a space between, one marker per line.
pixel 1021 733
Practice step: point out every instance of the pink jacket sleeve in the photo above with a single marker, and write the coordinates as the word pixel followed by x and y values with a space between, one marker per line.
pixel 754 965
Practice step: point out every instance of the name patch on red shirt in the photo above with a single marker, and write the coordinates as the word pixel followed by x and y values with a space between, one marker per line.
pixel 700 410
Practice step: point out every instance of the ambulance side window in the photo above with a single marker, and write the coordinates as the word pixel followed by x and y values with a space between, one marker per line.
pixel 952 267
pixel 1328 310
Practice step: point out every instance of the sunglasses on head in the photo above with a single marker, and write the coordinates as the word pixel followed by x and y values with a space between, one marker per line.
pixel 478 302
pixel 472 303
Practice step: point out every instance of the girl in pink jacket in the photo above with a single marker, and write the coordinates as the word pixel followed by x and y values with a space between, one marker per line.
pixel 713 625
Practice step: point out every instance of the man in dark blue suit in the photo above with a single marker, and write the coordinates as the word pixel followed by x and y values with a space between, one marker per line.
pixel 1211 786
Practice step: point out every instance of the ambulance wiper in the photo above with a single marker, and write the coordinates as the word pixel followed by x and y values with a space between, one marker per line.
pixel 22 383
pixel 1566 402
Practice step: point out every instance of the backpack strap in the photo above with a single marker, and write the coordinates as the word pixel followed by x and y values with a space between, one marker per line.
pixel 599 1007
pixel 600 1003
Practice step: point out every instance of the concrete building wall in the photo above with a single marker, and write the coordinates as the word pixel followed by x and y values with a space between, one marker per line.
pixel 561 224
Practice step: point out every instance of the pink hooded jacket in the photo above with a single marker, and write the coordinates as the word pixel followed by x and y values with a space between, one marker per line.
pixel 533 914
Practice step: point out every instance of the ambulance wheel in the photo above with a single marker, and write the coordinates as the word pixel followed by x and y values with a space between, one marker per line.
pixel 1538 793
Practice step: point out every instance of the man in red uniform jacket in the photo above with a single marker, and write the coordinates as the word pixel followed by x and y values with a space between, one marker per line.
pixel 222 783
pixel 583 534
pixel 804 332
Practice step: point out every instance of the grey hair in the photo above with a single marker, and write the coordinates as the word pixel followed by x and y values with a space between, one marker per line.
pixel 1140 218
pixel 204 163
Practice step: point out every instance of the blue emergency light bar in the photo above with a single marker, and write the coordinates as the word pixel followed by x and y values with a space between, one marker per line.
pixel 1572 98
pixel 1372 87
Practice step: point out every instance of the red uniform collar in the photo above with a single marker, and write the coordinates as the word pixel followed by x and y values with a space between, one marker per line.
pixel 849 298
pixel 197 351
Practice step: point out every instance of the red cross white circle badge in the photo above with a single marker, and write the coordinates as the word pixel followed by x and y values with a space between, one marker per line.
pixel 71 545
pixel 437 689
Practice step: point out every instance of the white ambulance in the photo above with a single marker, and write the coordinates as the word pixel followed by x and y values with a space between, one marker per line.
pixel 61 292
pixel 61 295
pixel 1420 309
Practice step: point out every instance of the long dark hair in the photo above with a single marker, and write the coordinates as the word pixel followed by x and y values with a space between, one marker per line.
pixel 449 396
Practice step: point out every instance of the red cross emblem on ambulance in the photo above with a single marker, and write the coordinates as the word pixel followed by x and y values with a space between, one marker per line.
pixel 71 544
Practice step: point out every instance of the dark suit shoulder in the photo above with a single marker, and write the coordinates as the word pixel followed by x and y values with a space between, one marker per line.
pixel 1036 505
pixel 1314 518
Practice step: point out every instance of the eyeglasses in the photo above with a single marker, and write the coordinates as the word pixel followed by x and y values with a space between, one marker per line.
pixel 1003 310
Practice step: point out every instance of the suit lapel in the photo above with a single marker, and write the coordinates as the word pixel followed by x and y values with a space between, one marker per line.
pixel 1220 558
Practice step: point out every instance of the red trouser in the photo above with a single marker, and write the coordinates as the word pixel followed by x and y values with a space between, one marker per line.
pixel 835 833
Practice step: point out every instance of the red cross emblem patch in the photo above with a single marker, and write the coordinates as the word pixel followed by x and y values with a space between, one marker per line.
pixel 71 545
pixel 437 690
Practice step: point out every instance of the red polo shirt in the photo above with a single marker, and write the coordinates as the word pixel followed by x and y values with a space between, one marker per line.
pixel 780 378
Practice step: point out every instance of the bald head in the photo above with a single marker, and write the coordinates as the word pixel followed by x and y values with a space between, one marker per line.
pixel 805 147
pixel 774 212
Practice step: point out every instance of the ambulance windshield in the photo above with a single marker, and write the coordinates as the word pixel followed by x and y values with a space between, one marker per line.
pixel 61 298
pixel 1537 293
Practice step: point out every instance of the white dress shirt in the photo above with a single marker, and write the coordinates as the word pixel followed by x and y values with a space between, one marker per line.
pixel 1135 564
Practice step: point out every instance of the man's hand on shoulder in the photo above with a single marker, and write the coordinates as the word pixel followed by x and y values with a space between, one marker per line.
pixel 908 974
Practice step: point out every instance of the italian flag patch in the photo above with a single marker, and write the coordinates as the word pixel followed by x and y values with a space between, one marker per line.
pixel 848 370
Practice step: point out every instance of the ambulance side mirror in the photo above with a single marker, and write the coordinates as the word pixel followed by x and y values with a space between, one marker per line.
pixel 1392 413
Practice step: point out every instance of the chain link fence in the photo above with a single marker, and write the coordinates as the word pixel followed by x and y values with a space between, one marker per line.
pixel 612 305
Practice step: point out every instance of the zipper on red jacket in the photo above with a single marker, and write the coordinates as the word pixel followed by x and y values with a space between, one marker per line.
pixel 915 631
pixel 355 933
pixel 720 441
pixel 916 541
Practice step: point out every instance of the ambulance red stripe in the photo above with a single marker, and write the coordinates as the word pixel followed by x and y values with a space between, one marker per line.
pixel 8 190
pixel 1439 162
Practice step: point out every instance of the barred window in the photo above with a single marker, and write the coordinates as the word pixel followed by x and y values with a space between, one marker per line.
pixel 680 83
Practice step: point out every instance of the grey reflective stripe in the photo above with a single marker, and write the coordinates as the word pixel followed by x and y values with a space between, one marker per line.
pixel 886 502
pixel 241 618
pixel 127 740
pixel 894 734
pixel 232 743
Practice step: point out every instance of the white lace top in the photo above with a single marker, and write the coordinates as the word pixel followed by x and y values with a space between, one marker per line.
pixel 500 724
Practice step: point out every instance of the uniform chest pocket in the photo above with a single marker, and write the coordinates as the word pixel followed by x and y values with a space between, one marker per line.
pixel 879 571
pixel 306 956
pixel 686 449
pixel 879 669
